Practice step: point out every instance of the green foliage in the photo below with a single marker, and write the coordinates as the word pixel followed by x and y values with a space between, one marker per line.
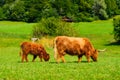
pixel 112 8
pixel 77 10
pixel 53 27
pixel 1 14
pixel 118 4
pixel 14 11
pixel 116 23
pixel 1 3
pixel 99 9
pixel 33 9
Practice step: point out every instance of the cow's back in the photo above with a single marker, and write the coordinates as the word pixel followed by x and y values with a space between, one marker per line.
pixel 70 45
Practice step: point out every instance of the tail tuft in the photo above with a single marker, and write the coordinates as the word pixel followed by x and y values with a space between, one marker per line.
pixel 20 53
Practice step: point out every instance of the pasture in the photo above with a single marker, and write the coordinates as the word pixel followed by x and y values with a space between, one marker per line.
pixel 100 34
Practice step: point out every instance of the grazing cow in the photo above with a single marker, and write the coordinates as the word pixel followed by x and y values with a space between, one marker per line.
pixel 74 46
pixel 35 49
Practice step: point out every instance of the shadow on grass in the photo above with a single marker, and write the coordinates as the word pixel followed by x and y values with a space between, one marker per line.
pixel 70 62
pixel 56 62
pixel 113 43
pixel 30 62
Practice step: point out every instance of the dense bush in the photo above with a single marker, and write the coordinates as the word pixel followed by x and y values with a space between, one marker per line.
pixel 53 27
pixel 116 23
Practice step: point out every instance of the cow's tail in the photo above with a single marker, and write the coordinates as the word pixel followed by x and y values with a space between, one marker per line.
pixel 55 49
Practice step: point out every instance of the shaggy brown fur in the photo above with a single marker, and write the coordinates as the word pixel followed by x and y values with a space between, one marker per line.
pixel 74 46
pixel 34 49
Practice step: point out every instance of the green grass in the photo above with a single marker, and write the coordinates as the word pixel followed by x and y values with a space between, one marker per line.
pixel 99 32
pixel 15 29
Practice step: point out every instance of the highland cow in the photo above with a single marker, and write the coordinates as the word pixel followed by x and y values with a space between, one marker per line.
pixel 35 49
pixel 74 46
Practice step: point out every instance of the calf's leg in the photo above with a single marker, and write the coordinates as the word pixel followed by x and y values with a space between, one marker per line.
pixel 34 57
pixel 23 57
pixel 26 58
pixel 40 56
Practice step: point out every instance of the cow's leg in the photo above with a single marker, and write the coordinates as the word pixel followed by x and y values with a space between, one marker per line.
pixel 63 60
pixel 79 58
pixel 88 56
pixel 58 58
pixel 34 57
pixel 40 56
pixel 56 55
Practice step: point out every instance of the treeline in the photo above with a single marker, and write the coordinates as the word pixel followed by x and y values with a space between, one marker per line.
pixel 77 10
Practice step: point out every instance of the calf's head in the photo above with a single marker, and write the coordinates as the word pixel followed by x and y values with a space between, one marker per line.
pixel 46 57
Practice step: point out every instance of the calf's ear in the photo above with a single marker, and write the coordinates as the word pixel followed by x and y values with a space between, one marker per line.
pixel 96 51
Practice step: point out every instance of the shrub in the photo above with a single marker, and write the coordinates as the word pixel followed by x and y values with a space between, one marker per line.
pixel 53 27
pixel 116 23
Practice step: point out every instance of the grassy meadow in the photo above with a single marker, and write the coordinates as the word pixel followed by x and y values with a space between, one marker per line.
pixel 100 34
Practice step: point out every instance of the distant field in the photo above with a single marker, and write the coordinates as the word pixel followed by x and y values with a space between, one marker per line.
pixel 16 27
pixel 12 33
pixel 100 34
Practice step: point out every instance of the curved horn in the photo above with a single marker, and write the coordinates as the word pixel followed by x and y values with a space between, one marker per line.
pixel 101 50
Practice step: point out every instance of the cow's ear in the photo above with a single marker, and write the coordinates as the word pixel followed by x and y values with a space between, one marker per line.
pixel 95 50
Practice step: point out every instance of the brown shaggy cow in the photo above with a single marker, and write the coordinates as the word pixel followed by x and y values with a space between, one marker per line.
pixel 74 46
pixel 35 49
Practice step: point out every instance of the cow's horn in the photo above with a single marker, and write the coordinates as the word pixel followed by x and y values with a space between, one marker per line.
pixel 101 50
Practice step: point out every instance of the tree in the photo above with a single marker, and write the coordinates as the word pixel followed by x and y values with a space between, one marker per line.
pixel 48 10
pixel 85 9
pixel 14 11
pixel 17 10
pixel 36 9
pixel 118 4
pixel 77 10
pixel 112 8
pixel 99 9
pixel 2 2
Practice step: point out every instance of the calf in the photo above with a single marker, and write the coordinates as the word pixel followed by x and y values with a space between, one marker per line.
pixel 35 49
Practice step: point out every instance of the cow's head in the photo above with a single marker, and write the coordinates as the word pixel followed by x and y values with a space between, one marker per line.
pixel 94 55
pixel 46 57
